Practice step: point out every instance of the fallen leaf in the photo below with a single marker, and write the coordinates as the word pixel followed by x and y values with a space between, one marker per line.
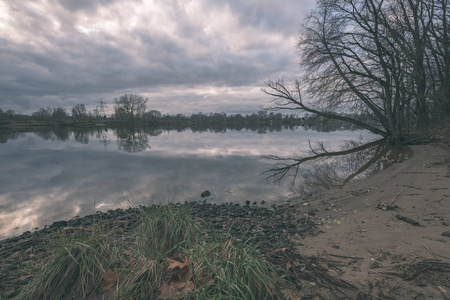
pixel 110 279
pixel 132 264
pixel 288 266
pixel 175 263
pixel 180 270
pixel 174 289
pixel 23 277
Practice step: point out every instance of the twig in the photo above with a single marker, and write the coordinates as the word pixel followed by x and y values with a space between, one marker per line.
pixel 342 256
pixel 396 196
pixel 434 254
pixel 427 248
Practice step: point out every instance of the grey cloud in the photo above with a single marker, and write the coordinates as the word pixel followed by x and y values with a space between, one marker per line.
pixel 62 63
pixel 84 4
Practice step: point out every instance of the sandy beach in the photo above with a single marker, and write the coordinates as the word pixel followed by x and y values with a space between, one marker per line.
pixel 379 226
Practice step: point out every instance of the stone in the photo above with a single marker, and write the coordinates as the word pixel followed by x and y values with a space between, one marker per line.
pixel 58 224
pixel 205 194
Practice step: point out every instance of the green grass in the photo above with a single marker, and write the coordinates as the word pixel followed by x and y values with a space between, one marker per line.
pixel 224 270
pixel 75 266
pixel 166 260
pixel 165 230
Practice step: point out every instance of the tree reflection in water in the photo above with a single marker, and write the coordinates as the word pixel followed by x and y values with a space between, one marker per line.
pixel 131 139
pixel 81 135
pixel 321 169
pixel 6 135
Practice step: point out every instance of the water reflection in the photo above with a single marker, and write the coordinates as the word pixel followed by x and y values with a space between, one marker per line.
pixel 132 139
pixel 52 175
pixel 81 135
pixel 321 169
pixel 6 135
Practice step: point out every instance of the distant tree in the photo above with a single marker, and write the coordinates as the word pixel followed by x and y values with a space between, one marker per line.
pixel 2 115
pixel 152 115
pixel 79 112
pixel 129 106
pixel 59 114
pixel 43 113
pixel 95 113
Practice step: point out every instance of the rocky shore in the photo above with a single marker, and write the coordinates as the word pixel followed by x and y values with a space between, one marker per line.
pixel 273 229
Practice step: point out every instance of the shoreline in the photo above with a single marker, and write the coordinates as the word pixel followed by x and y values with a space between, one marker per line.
pixel 354 234
pixel 380 226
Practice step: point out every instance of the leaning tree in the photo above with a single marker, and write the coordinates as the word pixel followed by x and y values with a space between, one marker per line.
pixel 382 62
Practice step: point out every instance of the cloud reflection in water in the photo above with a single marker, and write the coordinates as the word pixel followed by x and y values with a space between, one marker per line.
pixel 45 180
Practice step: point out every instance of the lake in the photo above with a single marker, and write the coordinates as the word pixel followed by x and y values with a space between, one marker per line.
pixel 48 176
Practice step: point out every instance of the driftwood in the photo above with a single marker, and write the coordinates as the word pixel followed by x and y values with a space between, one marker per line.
pixel 408 220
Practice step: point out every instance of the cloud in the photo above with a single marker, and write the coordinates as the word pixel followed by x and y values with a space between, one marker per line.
pixel 66 52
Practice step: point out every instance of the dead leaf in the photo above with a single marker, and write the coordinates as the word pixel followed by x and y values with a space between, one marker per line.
pixel 290 294
pixel 23 277
pixel 288 266
pixel 132 264
pixel 180 270
pixel 110 279
pixel 181 280
pixel 174 289
pixel 127 252
pixel 175 263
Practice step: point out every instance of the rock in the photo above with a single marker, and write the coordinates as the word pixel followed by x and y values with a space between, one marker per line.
pixel 58 224
pixel 446 233
pixel 205 194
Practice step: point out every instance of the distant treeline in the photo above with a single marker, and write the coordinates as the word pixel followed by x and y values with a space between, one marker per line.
pixel 216 122
pixel 134 137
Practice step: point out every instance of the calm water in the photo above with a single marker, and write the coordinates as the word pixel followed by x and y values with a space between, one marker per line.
pixel 46 177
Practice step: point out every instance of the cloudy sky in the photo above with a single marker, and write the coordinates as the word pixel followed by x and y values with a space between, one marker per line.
pixel 186 56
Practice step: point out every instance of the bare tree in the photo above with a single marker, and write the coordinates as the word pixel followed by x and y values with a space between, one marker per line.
pixel 43 113
pixel 79 112
pixel 438 57
pixel 59 114
pixel 130 106
pixel 368 58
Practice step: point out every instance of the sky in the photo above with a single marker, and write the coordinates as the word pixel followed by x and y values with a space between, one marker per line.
pixel 185 56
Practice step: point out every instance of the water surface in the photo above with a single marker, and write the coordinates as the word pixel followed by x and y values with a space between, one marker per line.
pixel 49 176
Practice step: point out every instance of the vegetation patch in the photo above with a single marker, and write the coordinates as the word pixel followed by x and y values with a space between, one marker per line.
pixel 166 257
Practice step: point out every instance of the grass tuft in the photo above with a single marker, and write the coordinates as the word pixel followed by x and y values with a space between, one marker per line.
pixel 165 230
pixel 75 267
pixel 225 270
pixel 169 260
